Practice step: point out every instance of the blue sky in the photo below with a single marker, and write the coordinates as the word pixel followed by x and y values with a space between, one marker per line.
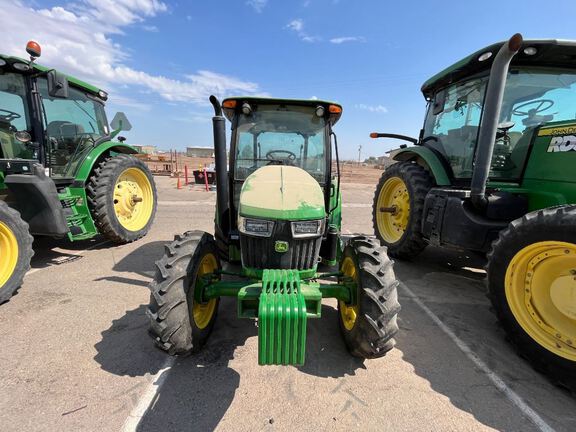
pixel 160 60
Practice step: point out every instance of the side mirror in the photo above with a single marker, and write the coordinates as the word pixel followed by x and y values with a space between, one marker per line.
pixel 57 84
pixel 120 122
pixel 439 101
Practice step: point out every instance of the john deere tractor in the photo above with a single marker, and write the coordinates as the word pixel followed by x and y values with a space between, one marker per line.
pixel 493 171
pixel 61 175
pixel 278 214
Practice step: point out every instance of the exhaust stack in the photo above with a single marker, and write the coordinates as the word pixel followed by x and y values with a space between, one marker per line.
pixel 490 118
pixel 219 130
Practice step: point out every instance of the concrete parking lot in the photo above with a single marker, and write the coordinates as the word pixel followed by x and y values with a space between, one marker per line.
pixel 75 354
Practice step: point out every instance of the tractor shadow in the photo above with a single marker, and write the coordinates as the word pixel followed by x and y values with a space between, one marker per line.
pixel 140 262
pixel 198 389
pixel 452 285
pixel 50 252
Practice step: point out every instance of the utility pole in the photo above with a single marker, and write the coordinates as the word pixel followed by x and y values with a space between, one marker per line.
pixel 359 153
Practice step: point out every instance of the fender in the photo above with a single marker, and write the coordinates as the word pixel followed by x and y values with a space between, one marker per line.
pixel 426 157
pixel 95 155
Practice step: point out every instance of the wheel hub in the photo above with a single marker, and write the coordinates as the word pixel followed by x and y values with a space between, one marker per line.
pixel 394 205
pixel 541 292
pixel 8 253
pixel 133 199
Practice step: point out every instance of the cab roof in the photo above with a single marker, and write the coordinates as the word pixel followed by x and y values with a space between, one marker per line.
pixel 72 80
pixel 549 52
pixel 280 101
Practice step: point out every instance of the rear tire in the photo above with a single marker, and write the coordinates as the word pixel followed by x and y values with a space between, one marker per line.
pixel 369 327
pixel 532 285
pixel 402 186
pixel 178 323
pixel 111 191
pixel 15 251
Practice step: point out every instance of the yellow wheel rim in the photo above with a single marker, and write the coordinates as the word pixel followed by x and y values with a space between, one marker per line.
pixel 133 199
pixel 348 313
pixel 8 253
pixel 203 312
pixel 393 210
pixel 541 292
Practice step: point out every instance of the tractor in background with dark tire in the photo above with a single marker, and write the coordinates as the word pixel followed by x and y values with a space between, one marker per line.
pixel 61 175
pixel 280 221
pixel 493 171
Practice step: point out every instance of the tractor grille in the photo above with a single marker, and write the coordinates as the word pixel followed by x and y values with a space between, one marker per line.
pixel 259 252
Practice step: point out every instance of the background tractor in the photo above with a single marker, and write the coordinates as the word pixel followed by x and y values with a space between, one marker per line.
pixel 279 214
pixel 61 175
pixel 493 171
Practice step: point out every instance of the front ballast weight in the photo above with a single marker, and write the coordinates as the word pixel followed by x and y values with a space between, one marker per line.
pixel 189 283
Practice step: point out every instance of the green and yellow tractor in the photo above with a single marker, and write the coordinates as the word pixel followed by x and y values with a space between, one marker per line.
pixel 61 175
pixel 493 171
pixel 278 214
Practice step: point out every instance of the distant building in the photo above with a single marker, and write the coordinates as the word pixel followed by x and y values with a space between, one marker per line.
pixel 200 152
pixel 145 149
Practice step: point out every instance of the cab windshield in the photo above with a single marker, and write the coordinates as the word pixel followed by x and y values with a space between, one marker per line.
pixel 281 135
pixel 73 125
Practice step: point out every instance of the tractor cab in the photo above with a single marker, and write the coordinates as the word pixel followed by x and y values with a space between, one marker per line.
pixel 284 143
pixel 48 117
pixel 540 90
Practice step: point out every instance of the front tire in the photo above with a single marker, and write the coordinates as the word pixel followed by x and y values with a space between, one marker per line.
pixel 15 251
pixel 398 208
pixel 532 285
pixel 179 323
pixel 369 326
pixel 122 198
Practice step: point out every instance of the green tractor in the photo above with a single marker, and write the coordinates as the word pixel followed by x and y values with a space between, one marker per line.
pixel 279 214
pixel 493 171
pixel 61 175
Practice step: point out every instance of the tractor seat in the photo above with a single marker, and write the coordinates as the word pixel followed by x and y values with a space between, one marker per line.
pixel 63 129
pixel 520 149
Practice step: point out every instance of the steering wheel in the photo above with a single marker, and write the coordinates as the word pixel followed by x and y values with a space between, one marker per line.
pixel 291 155
pixel 10 116
pixel 541 105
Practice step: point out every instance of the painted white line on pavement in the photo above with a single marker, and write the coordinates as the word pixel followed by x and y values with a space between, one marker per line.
pixel 185 203
pixel 78 254
pixel 197 203
pixel 148 397
pixel 496 380
pixel 356 205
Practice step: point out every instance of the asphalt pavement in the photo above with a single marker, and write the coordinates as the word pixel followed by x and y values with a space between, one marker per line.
pixel 75 354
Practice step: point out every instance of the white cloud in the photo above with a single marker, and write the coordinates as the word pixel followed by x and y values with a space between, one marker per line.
pixel 344 39
pixel 257 5
pixel 151 28
pixel 77 39
pixel 297 26
pixel 372 108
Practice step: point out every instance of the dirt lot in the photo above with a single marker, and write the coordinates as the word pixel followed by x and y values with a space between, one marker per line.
pixel 75 353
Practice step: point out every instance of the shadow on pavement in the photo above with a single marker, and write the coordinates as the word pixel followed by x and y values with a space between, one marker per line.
pixel 199 388
pixel 453 284
pixel 140 261
pixel 46 251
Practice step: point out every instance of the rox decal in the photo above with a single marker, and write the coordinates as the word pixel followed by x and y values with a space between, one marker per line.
pixel 562 144
pixel 563 138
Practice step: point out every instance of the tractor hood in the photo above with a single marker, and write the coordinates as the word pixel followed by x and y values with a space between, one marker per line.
pixel 282 193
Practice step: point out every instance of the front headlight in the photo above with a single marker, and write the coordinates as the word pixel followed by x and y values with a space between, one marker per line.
pixel 313 228
pixel 255 227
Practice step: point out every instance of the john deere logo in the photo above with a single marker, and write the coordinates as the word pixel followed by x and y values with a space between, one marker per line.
pixel 281 246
